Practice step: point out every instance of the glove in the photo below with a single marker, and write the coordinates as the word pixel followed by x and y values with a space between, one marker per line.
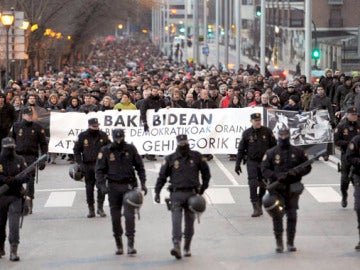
pixel 119 110
pixel 86 111
pixel 146 127
pixel 238 169
pixel 202 190
pixel 41 166
pixel 104 189
pixel 157 109
pixel 144 188
pixel 9 180
pixel 281 177
pixel 295 172
pixel 157 198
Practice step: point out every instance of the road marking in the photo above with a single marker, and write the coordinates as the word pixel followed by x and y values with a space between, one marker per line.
pixel 61 199
pixel 226 171
pixel 219 196
pixel 324 194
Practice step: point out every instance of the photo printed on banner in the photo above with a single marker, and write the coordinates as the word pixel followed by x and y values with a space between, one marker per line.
pixel 311 127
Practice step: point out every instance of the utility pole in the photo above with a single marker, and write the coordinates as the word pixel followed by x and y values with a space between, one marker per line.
pixel 196 32
pixel 308 50
pixel 262 37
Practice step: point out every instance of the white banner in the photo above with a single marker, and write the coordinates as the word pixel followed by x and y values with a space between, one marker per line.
pixel 210 131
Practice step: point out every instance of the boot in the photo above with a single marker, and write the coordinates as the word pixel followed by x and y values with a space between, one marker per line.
pixel 290 242
pixel 100 210
pixel 187 252
pixel 260 207
pixel 13 253
pixel 344 201
pixel 91 211
pixel 131 249
pixel 257 210
pixel 358 245
pixel 176 251
pixel 2 249
pixel 119 246
pixel 279 243
pixel 30 206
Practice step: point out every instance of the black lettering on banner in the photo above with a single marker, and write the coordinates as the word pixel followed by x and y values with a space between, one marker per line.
pixel 65 144
pixel 237 142
pixel 108 120
pixel 181 119
pixel 159 146
pixel 75 132
pixel 119 121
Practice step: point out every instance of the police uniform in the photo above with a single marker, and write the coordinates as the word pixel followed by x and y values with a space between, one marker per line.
pixel 252 147
pixel 115 173
pixel 278 165
pixel 183 168
pixel 29 136
pixel 11 198
pixel 86 150
pixel 343 134
pixel 353 158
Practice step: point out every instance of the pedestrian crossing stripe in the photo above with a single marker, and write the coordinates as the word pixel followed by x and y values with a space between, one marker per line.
pixel 61 199
pixel 324 194
pixel 215 195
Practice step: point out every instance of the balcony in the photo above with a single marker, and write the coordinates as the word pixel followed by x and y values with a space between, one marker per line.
pixel 335 2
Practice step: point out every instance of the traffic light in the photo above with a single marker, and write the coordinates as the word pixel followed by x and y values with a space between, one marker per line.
pixel 258 11
pixel 315 54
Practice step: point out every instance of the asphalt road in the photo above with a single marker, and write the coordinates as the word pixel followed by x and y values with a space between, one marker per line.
pixel 59 236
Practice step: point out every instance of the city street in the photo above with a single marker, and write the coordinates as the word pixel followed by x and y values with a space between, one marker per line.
pixel 59 236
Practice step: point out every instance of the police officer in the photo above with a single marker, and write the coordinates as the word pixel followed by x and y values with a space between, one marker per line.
pixel 86 150
pixel 255 141
pixel 344 132
pixel 11 200
pixel 29 137
pixel 183 168
pixel 279 165
pixel 353 158
pixel 115 173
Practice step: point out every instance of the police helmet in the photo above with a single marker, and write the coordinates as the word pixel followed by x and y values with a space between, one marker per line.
pixel 75 172
pixel 197 203
pixel 134 198
pixel 273 204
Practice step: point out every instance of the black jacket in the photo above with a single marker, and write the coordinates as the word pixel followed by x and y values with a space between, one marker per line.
pixel 183 171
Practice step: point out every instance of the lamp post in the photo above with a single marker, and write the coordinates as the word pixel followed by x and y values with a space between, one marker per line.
pixel 7 19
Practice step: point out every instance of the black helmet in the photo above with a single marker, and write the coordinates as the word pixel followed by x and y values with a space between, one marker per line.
pixel 75 172
pixel 273 204
pixel 134 198
pixel 197 203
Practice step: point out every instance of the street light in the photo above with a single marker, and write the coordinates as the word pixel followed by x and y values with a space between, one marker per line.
pixel 7 19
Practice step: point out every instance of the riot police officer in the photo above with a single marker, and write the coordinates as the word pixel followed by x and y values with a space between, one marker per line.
pixel 12 199
pixel 86 150
pixel 353 156
pixel 344 132
pixel 183 168
pixel 279 165
pixel 254 142
pixel 115 173
pixel 29 137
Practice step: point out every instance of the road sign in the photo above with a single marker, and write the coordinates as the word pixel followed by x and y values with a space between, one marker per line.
pixel 205 50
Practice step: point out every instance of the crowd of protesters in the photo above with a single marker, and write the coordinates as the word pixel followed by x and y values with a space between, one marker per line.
pixel 120 74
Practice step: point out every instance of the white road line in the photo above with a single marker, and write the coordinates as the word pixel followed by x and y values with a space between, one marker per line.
pixel 219 196
pixel 212 186
pixel 60 199
pixel 226 172
pixel 324 194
